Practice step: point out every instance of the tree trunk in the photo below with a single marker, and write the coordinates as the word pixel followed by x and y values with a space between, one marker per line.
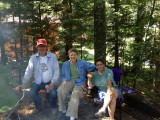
pixel 156 79
pixel 99 31
pixel 3 55
pixel 139 34
pixel 67 26
pixel 116 32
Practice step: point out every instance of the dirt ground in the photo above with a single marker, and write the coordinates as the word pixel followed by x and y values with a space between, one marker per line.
pixel 26 111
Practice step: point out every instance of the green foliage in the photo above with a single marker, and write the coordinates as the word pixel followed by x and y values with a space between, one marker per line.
pixel 137 39
pixel 8 96
pixel 4 6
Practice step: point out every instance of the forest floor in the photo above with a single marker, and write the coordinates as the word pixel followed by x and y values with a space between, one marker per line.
pixel 131 109
pixel 26 111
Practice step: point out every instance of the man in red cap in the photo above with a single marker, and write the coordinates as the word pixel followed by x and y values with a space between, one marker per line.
pixel 45 68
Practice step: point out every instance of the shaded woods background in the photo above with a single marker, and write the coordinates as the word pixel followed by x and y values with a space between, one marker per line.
pixel 123 33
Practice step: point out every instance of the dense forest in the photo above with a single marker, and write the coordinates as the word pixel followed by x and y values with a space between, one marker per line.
pixel 123 33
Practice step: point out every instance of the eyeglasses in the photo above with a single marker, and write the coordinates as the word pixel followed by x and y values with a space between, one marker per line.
pixel 99 64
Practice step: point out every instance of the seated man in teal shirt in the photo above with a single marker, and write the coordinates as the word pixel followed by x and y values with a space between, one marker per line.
pixel 103 79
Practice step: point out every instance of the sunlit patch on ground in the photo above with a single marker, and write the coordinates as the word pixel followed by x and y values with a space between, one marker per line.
pixel 27 110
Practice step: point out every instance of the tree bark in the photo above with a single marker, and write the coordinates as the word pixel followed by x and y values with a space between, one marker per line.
pixel 156 79
pixel 139 34
pixel 99 31
pixel 3 55
pixel 67 26
pixel 116 32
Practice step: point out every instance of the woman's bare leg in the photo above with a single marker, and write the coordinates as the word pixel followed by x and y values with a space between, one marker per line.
pixel 112 105
pixel 111 108
pixel 110 102
pixel 106 103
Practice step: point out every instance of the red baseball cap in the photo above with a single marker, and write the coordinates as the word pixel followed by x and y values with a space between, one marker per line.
pixel 41 42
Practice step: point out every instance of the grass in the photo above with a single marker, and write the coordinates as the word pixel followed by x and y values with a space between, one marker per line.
pixel 8 97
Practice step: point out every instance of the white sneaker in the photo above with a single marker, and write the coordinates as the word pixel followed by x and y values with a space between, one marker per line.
pixel 72 118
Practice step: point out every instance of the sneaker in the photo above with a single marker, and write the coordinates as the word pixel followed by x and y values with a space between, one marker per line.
pixel 99 114
pixel 72 118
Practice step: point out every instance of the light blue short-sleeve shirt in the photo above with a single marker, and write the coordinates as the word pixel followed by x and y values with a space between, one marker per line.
pixel 101 80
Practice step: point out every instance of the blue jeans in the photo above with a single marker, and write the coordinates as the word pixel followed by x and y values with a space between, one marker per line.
pixel 52 95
